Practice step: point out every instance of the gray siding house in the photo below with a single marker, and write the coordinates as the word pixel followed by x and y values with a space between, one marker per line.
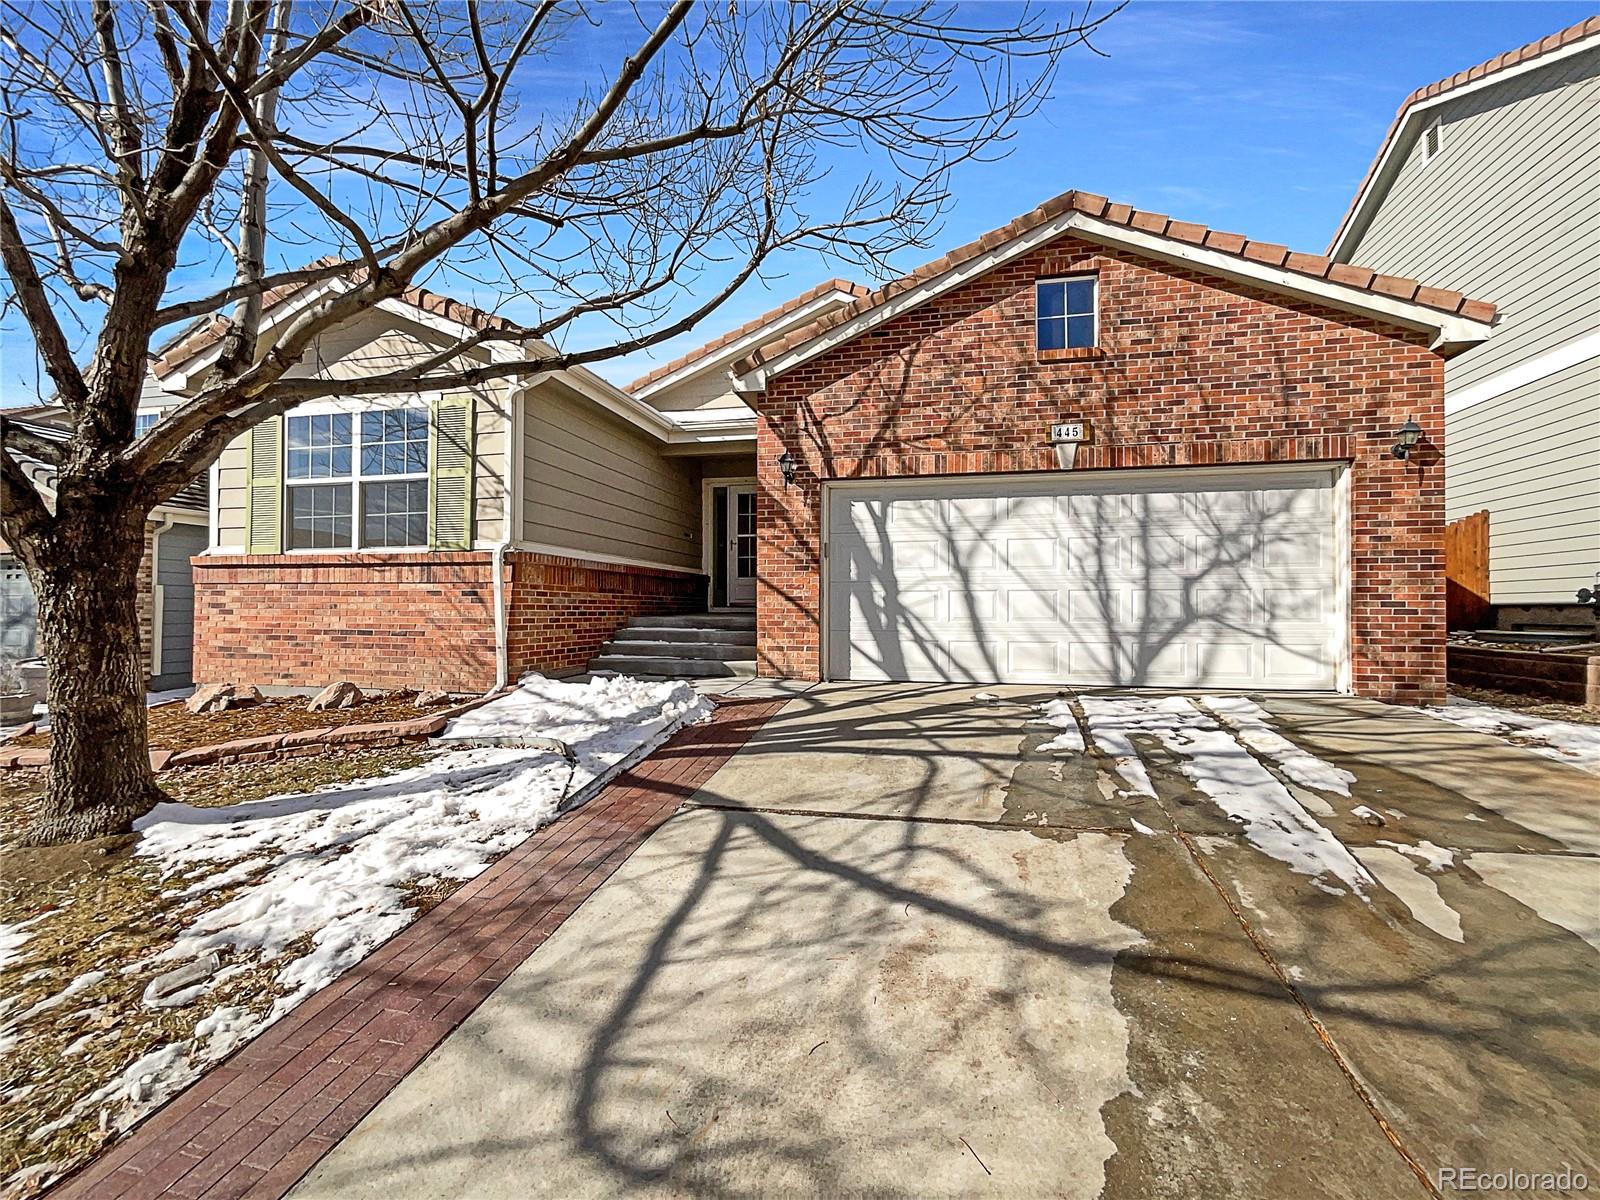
pixel 1489 182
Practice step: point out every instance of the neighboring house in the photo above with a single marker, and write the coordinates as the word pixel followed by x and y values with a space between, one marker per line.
pixel 1102 447
pixel 460 538
pixel 174 534
pixel 1489 182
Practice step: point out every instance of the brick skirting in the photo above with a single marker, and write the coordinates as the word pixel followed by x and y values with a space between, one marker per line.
pixel 419 620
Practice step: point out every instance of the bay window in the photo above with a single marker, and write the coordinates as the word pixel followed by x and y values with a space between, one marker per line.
pixel 357 480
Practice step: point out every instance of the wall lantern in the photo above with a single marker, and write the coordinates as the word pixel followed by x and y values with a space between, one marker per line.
pixel 1409 435
pixel 786 465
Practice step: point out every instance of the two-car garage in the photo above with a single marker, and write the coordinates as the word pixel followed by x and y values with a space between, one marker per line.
pixel 1191 578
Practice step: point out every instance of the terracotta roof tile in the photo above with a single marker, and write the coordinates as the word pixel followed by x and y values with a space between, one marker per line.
pixel 745 330
pixel 1313 265
pixel 1588 27
pixel 186 346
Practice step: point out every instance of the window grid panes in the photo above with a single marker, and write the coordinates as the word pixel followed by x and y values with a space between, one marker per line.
pixel 333 463
pixel 144 422
pixel 1066 314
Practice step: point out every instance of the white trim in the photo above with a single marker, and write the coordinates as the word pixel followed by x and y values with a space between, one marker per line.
pixel 1529 370
pixel 1094 316
pixel 1344 573
pixel 1450 330
pixel 706 529
pixel 736 350
pixel 214 503
pixel 1378 181
pixel 610 560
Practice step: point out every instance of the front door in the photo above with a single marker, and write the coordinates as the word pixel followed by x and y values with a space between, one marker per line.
pixel 740 550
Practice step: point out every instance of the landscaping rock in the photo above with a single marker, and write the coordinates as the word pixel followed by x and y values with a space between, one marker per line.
pixel 178 988
pixel 249 694
pixel 213 697
pixel 343 694
pixel 306 737
pixel 431 698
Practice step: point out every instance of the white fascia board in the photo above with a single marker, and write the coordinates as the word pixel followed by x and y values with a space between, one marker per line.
pixel 1449 329
pixel 189 376
pixel 1376 185
pixel 733 351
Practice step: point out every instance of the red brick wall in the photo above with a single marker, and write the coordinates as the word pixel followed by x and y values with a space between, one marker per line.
pixel 413 620
pixel 380 620
pixel 562 609
pixel 1192 371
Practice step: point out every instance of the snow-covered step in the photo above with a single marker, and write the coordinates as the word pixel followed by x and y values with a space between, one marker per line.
pixel 670 633
pixel 672 668
pixel 724 651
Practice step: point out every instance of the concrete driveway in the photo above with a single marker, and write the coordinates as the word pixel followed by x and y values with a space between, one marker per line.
pixel 908 942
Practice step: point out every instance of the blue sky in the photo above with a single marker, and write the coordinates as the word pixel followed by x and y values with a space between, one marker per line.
pixel 1258 118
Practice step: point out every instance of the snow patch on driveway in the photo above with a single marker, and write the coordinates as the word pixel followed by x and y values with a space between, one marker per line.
pixel 1564 741
pixel 1249 719
pixel 1412 888
pixel 1274 821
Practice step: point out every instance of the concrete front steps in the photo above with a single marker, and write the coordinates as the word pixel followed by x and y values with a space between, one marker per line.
pixel 699 645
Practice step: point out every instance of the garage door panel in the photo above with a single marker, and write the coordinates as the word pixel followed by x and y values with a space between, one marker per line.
pixel 1159 581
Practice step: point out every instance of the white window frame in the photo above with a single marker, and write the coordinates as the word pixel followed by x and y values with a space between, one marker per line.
pixel 355 478
pixel 154 415
pixel 1093 278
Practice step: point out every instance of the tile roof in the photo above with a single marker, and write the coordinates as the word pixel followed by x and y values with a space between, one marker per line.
pixel 210 331
pixel 743 331
pixel 1587 28
pixel 1266 253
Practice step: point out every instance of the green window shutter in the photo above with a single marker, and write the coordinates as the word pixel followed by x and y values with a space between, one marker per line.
pixel 450 472
pixel 264 488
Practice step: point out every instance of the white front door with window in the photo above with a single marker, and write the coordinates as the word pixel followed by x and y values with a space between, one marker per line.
pixel 741 546
pixel 1131 578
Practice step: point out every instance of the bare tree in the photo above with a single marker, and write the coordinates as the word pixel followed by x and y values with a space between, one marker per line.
pixel 389 141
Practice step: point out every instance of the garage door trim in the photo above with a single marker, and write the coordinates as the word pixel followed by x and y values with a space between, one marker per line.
pixel 1332 474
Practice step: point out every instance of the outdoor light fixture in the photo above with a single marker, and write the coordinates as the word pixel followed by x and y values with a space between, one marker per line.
pixel 1410 434
pixel 786 465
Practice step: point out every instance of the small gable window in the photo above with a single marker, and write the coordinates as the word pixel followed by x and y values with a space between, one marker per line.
pixel 1066 313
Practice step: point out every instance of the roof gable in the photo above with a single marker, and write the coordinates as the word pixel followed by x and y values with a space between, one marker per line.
pixel 1455 320
pixel 1415 109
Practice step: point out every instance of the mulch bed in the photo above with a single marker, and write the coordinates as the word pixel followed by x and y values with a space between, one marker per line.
pixel 174 727
pixel 1554 710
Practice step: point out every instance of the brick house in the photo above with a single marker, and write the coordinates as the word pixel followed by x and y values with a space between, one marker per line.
pixel 1096 446
pixel 460 539
pixel 1100 446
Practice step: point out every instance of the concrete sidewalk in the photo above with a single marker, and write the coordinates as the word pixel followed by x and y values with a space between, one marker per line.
pixel 893 947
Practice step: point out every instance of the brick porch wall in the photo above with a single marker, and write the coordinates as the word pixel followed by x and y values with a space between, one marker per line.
pixel 562 609
pixel 413 620
pixel 1189 372
pixel 380 620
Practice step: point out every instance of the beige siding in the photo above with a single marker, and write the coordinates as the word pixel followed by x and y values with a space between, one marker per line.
pixel 593 483
pixel 374 343
pixel 1532 458
pixel 1509 211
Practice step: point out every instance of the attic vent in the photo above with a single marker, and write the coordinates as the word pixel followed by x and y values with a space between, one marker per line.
pixel 1432 139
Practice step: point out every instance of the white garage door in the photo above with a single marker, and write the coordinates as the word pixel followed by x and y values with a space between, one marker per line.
pixel 1138 579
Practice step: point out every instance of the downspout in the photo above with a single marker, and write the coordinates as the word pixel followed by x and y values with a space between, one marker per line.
pixel 510 519
pixel 155 594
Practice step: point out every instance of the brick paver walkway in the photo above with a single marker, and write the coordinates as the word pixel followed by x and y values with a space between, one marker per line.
pixel 255 1123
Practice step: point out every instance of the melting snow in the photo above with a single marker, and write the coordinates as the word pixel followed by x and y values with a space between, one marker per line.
pixel 1274 822
pixel 1059 714
pixel 1435 858
pixel 334 864
pixel 1413 889
pixel 1255 731
pixel 1562 740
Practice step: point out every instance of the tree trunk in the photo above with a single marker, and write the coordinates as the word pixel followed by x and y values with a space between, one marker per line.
pixel 100 778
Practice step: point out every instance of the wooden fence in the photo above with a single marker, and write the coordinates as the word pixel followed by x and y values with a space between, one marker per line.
pixel 1466 571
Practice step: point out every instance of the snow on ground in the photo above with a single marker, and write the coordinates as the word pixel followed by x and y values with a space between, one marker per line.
pixel 1563 740
pixel 333 865
pixel 1274 821
pixel 1249 719
pixel 1059 714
